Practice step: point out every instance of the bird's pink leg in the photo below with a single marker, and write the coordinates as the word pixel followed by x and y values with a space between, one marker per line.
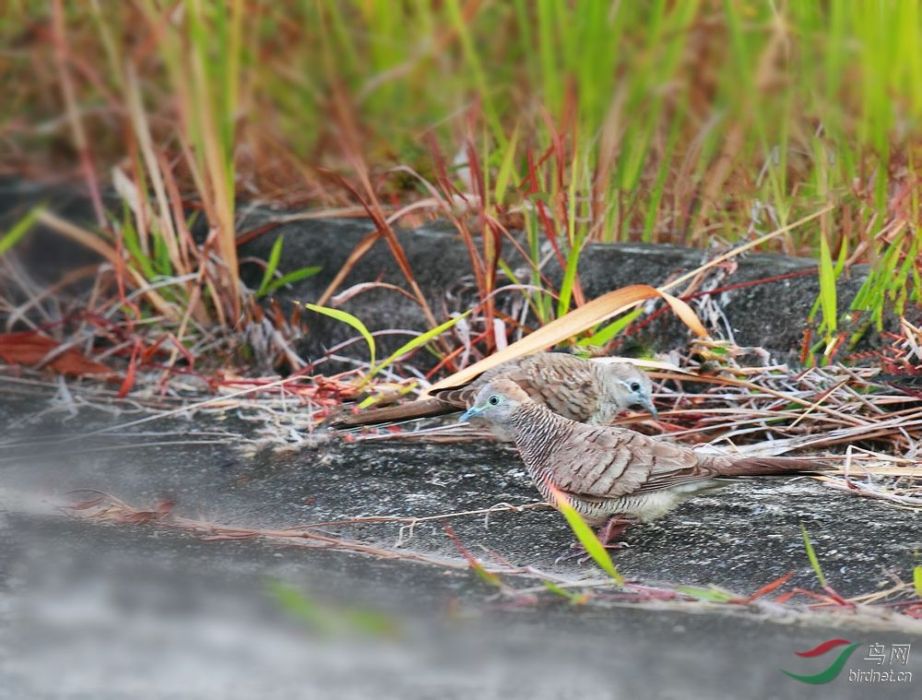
pixel 611 533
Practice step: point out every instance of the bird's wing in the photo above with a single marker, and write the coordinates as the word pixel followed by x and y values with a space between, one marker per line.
pixel 463 396
pixel 459 397
pixel 563 383
pixel 538 376
pixel 606 462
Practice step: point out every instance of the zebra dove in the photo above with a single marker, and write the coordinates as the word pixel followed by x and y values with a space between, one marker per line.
pixel 606 471
pixel 582 390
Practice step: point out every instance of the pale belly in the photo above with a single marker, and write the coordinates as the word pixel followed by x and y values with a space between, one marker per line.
pixel 643 506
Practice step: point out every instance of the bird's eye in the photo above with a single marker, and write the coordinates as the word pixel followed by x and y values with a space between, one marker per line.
pixel 635 386
pixel 493 400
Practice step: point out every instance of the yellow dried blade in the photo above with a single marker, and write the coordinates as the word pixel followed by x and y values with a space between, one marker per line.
pixel 577 321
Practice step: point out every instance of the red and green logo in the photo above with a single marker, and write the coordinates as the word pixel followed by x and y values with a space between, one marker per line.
pixel 831 671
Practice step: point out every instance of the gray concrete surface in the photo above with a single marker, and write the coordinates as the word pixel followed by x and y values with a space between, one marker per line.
pixel 95 610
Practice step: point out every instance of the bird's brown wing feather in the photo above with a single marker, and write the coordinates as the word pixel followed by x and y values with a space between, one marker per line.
pixel 466 393
pixel 449 400
pixel 563 383
pixel 606 462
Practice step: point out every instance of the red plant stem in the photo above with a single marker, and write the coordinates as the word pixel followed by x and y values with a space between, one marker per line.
pixel 453 354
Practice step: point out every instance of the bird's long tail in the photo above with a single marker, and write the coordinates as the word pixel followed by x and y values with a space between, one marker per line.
pixel 425 408
pixel 769 466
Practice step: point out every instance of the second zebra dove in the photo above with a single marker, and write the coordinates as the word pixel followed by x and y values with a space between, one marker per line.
pixel 588 391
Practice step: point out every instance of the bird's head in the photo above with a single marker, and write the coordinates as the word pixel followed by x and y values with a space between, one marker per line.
pixel 630 385
pixel 496 402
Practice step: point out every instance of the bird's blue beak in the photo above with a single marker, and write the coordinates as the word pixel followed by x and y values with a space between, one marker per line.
pixel 648 404
pixel 470 413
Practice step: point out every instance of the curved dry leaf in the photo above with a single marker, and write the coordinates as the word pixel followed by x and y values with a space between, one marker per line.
pixel 577 321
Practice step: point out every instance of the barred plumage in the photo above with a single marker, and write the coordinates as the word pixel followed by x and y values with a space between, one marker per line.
pixel 606 471
pixel 583 390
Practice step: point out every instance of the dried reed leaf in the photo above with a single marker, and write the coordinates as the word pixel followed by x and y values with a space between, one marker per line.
pixel 577 321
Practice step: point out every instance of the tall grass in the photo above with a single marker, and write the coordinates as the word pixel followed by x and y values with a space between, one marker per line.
pixel 681 122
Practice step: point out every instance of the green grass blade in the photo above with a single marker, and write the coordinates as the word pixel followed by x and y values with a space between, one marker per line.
pixel 811 555
pixel 19 230
pixel 586 536
pixel 162 261
pixel 506 169
pixel 917 580
pixel 606 333
pixel 133 244
pixel 569 279
pixel 475 68
pixel 574 598
pixel 372 623
pixel 348 319
pixel 272 264
pixel 370 401
pixel 328 619
pixel 297 604
pixel 415 343
pixel 487 577
pixel 302 273
pixel 827 288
